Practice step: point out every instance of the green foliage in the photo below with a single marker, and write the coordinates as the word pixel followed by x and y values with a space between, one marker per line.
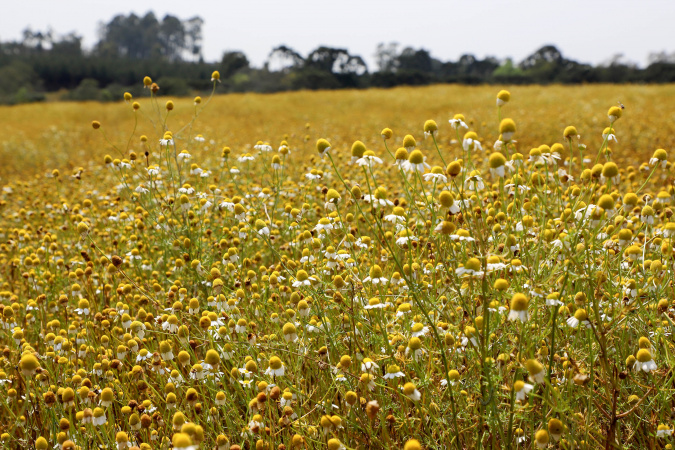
pixel 174 86
pixel 132 47
pixel 19 83
pixel 87 90
pixel 233 63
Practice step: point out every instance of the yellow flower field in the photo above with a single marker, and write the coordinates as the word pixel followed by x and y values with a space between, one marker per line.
pixel 438 267
pixel 239 120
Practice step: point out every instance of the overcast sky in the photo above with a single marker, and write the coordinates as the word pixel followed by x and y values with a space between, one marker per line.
pixel 585 30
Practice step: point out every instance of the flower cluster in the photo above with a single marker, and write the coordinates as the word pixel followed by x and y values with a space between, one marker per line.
pixel 441 285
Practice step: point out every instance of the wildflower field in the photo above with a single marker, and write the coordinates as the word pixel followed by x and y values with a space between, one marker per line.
pixel 446 267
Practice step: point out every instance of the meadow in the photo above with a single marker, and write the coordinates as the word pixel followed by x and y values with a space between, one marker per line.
pixel 437 267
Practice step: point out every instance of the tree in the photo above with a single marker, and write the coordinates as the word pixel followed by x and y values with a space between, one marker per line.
pixel 68 45
pixel 284 59
pixel 330 68
pixel 386 57
pixel 169 50
pixel 193 36
pixel 145 37
pixel 14 77
pixel 547 55
pixel 38 40
pixel 415 60
pixel 336 61
pixel 544 65
pixel 507 72
pixel 171 38
pixel 660 72
pixel 661 57
pixel 233 62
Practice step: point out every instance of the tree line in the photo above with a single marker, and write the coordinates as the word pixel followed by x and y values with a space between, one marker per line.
pixel 170 50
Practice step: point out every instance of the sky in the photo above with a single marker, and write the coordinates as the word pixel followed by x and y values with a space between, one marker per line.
pixel 589 31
